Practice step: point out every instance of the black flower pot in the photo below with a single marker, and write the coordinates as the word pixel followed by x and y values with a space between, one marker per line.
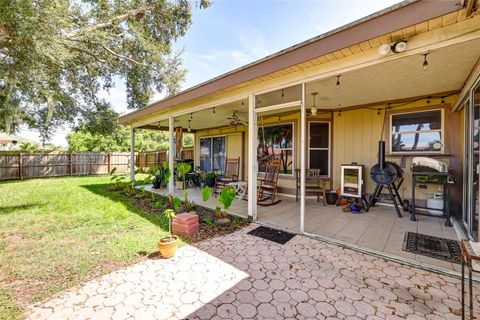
pixel 156 183
pixel 210 182
pixel 331 197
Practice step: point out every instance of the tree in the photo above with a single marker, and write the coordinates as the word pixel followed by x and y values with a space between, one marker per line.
pixel 57 56
pixel 119 140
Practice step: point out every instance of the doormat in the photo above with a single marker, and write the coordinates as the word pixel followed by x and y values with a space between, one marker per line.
pixel 434 247
pixel 276 236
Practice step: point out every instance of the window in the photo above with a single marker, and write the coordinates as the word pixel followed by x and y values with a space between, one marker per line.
pixel 212 154
pixel 319 147
pixel 276 142
pixel 417 132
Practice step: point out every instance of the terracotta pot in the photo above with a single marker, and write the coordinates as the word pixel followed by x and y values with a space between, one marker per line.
pixel 168 246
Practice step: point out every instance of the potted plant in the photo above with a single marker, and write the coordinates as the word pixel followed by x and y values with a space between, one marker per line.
pixel 210 179
pixel 182 169
pixel 168 245
pixel 162 175
pixel 227 195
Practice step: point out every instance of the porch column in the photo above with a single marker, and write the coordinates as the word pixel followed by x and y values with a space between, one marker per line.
pixel 303 129
pixel 132 154
pixel 252 158
pixel 171 152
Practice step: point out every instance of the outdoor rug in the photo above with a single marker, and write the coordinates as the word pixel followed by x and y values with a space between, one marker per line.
pixel 434 247
pixel 277 236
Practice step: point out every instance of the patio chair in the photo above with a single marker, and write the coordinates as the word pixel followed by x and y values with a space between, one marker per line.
pixel 313 184
pixel 232 170
pixel 267 187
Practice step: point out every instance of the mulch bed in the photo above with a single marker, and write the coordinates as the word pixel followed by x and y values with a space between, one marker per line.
pixel 208 228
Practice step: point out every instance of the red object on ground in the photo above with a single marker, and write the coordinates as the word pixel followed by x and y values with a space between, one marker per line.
pixel 185 224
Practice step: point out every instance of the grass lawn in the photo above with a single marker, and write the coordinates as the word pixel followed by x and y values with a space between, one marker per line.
pixel 58 232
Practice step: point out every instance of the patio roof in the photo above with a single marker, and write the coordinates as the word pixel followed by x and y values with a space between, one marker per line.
pixel 382 27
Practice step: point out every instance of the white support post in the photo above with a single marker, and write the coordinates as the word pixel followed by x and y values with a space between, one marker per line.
pixel 132 155
pixel 303 129
pixel 252 158
pixel 171 152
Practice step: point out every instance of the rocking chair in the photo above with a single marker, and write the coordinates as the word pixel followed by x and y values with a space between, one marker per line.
pixel 232 170
pixel 267 187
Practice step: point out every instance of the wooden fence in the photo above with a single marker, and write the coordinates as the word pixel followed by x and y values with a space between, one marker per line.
pixel 39 165
pixel 153 158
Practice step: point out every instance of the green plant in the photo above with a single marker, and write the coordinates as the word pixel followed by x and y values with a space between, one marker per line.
pixel 182 169
pixel 210 175
pixel 163 173
pixel 189 205
pixel 169 213
pixel 225 199
pixel 174 202
pixel 117 182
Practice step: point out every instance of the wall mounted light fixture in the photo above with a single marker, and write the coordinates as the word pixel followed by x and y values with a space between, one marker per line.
pixel 313 109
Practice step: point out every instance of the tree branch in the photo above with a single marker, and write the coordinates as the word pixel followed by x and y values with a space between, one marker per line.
pixel 114 20
pixel 121 56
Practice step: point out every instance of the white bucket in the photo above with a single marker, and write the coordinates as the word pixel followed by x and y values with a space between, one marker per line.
pixel 436 204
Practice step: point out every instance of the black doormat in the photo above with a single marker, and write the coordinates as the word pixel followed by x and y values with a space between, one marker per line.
pixel 277 236
pixel 434 247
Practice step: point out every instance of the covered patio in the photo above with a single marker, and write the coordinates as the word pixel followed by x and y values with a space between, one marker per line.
pixel 330 108
pixel 377 231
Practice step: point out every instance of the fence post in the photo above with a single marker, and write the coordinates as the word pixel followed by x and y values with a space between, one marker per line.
pixel 70 164
pixel 109 162
pixel 20 166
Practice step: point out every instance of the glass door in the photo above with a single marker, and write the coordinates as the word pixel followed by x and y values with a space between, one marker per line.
pixel 473 212
pixel 471 162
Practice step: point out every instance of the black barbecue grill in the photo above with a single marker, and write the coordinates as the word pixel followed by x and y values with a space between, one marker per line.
pixel 431 171
pixel 386 175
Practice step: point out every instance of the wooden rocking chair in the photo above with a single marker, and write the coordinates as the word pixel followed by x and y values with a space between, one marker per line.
pixel 267 187
pixel 232 170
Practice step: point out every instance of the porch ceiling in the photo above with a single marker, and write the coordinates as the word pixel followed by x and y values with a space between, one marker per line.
pixel 448 69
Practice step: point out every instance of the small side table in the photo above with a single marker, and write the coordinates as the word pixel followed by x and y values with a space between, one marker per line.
pixel 240 187
pixel 471 258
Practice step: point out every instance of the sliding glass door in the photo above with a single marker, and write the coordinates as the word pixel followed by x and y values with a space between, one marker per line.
pixel 471 165
pixel 213 153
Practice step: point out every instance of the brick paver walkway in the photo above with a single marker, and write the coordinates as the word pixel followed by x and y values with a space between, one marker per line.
pixel 244 277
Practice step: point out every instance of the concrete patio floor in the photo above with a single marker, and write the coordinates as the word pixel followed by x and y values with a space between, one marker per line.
pixel 238 276
pixel 379 230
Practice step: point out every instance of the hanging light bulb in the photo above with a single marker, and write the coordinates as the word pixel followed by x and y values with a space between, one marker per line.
pixel 189 128
pixel 283 93
pixel 213 110
pixel 338 81
pixel 313 110
pixel 378 111
pixel 339 113
pixel 425 61
pixel 443 101
pixel 191 116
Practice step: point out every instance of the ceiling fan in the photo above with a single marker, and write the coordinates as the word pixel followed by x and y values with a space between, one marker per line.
pixel 235 120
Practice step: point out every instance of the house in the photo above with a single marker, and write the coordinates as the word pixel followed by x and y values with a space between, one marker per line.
pixel 408 75
pixel 10 142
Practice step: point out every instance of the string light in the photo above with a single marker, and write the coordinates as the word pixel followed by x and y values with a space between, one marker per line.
pixel 338 81
pixel 213 110
pixel 191 116
pixel 443 101
pixel 189 128
pixel 378 111
pixel 283 94
pixel 428 100
pixel 339 113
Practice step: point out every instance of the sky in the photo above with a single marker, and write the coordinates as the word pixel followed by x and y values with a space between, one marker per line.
pixel 230 34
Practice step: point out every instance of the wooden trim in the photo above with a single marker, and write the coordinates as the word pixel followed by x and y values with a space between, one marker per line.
pixel 469 83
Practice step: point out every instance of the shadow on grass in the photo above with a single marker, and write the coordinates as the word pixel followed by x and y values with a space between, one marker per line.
pixel 101 190
pixel 11 209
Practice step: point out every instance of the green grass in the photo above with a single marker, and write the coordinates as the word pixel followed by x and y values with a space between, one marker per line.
pixel 58 232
